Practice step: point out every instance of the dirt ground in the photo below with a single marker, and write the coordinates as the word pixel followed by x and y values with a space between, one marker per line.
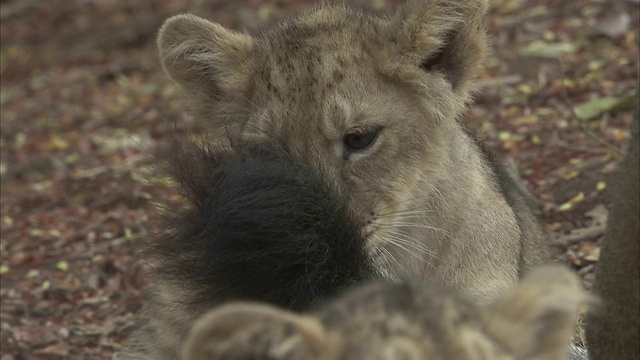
pixel 84 101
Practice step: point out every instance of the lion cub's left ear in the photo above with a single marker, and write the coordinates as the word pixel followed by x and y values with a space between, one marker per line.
pixel 256 331
pixel 444 36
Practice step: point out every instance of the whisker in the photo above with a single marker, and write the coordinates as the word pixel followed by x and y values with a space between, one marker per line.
pixel 405 212
pixel 409 241
pixel 405 239
pixel 387 257
pixel 392 241
pixel 395 204
pixel 408 246
pixel 412 225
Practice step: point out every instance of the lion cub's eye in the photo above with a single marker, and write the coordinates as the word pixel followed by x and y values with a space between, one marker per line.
pixel 361 139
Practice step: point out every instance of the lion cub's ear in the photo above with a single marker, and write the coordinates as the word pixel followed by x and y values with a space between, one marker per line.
pixel 446 36
pixel 203 57
pixel 256 331
pixel 536 318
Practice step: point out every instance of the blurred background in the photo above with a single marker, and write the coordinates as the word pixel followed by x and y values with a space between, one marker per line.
pixel 84 103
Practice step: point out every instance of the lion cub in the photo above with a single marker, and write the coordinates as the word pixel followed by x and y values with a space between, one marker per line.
pixel 412 321
pixel 373 103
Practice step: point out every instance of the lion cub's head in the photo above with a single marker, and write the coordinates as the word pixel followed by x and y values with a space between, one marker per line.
pixel 369 101
pixel 533 320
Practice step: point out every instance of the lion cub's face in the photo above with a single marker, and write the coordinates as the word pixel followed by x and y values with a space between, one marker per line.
pixel 533 320
pixel 368 101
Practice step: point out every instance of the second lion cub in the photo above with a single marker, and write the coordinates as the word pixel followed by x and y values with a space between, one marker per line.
pixel 411 321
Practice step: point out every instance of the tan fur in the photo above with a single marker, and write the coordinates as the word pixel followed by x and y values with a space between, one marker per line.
pixel 533 320
pixel 434 204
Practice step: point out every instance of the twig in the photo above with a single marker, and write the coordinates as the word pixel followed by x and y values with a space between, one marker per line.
pixel 583 234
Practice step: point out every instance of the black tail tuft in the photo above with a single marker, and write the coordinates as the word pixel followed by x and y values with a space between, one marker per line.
pixel 258 226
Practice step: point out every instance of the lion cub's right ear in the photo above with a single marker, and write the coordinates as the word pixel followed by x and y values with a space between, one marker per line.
pixel 257 331
pixel 442 36
pixel 204 57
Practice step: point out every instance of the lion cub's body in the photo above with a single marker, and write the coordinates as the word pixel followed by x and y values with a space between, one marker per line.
pixel 410 321
pixel 433 205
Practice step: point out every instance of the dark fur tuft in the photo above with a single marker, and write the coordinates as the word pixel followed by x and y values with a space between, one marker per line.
pixel 258 226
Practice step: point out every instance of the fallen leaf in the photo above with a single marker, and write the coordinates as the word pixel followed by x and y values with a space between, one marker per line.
pixel 593 255
pixel 58 142
pixel 568 175
pixel 566 206
pixel 535 139
pixel 576 199
pixel 544 49
pixel 593 108
pixel 62 265
pixel 569 204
